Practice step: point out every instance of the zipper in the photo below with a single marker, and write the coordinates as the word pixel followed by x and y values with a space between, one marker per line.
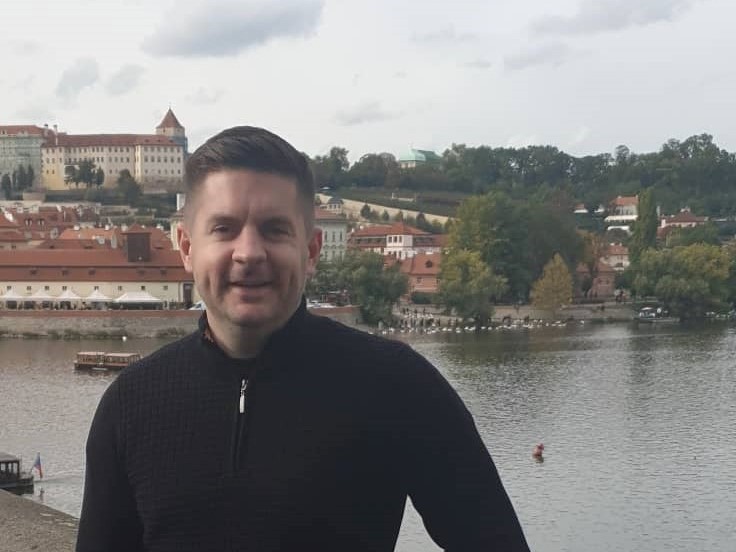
pixel 239 423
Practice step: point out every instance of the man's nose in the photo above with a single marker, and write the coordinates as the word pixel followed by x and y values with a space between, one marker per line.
pixel 249 246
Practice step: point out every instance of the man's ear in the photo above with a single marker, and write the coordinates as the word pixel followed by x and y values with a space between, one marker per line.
pixel 314 247
pixel 185 246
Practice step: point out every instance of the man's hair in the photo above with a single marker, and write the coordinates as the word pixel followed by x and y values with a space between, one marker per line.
pixel 255 149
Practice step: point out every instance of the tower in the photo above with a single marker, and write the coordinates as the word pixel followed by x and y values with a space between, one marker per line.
pixel 171 127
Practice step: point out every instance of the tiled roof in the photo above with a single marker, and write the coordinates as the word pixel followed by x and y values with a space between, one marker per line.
pixel 616 249
pixel 85 234
pixel 622 201
pixel 684 217
pixel 397 228
pixel 85 258
pixel 423 264
pixel 73 243
pixel 22 129
pixel 170 121
pixel 325 215
pixel 88 140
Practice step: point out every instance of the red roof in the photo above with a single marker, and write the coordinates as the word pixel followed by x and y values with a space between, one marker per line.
pixel 684 217
pixel 422 264
pixel 170 121
pixel 22 129
pixel 324 214
pixel 89 140
pixel 397 228
pixel 622 201
pixel 616 249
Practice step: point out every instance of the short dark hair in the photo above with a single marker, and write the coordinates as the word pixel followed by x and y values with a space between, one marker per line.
pixel 255 149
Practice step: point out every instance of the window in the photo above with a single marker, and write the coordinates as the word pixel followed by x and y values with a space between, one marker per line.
pixel 97 288
pixel 120 288
pixel 143 288
pixel 45 288
pixel 63 288
pixel 28 288
pixel 166 288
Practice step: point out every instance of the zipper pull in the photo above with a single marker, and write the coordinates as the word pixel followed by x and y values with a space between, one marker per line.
pixel 243 385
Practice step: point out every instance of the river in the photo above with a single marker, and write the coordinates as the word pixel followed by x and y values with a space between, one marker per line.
pixel 638 425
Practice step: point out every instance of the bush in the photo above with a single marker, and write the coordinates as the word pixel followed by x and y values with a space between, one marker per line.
pixel 422 298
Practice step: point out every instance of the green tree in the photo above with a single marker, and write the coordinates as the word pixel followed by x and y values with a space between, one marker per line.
pixel 86 172
pixel 365 211
pixel 128 188
pixel 688 280
pixel 374 288
pixel 385 217
pixel 31 176
pixel 100 176
pixel 704 233
pixel 468 286
pixel 554 288
pixel 644 235
pixel 6 185
pixel 70 176
pixel 22 178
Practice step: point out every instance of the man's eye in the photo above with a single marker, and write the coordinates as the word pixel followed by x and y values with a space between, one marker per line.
pixel 220 229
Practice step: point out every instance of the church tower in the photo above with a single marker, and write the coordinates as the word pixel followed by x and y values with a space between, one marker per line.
pixel 171 127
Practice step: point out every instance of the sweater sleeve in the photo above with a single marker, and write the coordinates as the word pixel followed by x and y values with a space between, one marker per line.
pixel 451 478
pixel 109 520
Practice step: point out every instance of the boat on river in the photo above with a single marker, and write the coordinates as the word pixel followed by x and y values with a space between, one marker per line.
pixel 96 360
pixel 651 315
pixel 12 478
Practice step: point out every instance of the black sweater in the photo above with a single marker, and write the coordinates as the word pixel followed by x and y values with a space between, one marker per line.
pixel 338 428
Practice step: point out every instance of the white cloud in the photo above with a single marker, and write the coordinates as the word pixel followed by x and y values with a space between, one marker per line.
pixel 202 96
pixel 124 80
pixel 554 53
pixel 366 112
pixel 611 15
pixel 229 27
pixel 81 74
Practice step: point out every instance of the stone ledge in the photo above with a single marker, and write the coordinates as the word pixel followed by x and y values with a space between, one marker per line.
pixel 28 526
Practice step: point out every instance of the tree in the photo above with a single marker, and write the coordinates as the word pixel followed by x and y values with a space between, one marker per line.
pixel 70 175
pixel 554 288
pixel 6 185
pixel 100 176
pixel 371 286
pixel 594 247
pixel 688 280
pixel 86 172
pixel 704 233
pixel 385 216
pixel 644 235
pixel 128 188
pixel 468 286
pixel 31 176
pixel 365 211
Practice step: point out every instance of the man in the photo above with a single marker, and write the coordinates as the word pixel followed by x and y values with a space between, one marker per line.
pixel 271 428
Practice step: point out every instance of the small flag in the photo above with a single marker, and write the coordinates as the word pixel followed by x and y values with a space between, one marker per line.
pixel 37 465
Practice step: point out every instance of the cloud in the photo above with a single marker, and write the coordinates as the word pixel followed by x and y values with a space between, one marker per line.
pixel 36 113
pixel 124 80
pixel 24 47
pixel 446 34
pixel 367 112
pixel 595 16
pixel 25 84
pixel 478 64
pixel 203 97
pixel 228 27
pixel 554 53
pixel 83 73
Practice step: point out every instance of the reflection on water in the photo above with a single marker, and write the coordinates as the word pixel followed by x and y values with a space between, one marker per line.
pixel 640 450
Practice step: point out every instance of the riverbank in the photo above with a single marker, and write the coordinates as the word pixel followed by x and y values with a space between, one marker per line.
pixel 115 324
pixel 28 526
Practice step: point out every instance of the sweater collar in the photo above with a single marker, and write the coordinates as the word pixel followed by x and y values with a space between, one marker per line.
pixel 282 340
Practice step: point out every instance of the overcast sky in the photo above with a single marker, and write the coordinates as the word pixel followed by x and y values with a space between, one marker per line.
pixel 379 75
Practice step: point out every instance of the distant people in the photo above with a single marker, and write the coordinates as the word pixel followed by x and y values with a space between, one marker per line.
pixel 271 428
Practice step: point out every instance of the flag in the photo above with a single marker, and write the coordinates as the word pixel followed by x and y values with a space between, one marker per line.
pixel 37 465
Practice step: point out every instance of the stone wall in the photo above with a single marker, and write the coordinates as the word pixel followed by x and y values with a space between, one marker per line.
pixel 118 323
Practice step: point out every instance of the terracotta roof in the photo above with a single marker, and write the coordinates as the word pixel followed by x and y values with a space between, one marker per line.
pixel 324 214
pixel 397 228
pixel 84 258
pixel 73 243
pixel 88 140
pixel 622 201
pixel 5 222
pixel 684 216
pixel 86 234
pixel 601 266
pixel 170 121
pixel 423 264
pixel 20 129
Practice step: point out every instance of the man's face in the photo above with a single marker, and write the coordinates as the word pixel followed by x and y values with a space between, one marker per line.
pixel 246 245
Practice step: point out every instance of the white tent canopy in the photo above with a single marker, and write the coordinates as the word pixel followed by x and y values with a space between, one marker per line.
pixel 11 295
pixel 68 295
pixel 40 296
pixel 97 297
pixel 138 297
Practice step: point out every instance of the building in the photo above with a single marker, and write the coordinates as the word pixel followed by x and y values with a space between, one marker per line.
pixel 415 157
pixel 399 240
pixel 23 226
pixel 334 234
pixel 616 256
pixel 20 146
pixel 155 160
pixel 683 219
pixel 423 272
pixel 624 212
pixel 135 273
pixel 335 205
pixel 603 285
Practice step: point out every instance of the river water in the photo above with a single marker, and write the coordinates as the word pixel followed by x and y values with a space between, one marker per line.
pixel 638 424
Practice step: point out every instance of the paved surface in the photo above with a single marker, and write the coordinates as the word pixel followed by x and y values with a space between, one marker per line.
pixel 29 526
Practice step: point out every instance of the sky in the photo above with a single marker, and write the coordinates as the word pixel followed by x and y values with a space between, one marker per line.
pixel 377 75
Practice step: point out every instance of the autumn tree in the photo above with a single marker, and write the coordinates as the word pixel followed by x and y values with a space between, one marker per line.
pixel 554 288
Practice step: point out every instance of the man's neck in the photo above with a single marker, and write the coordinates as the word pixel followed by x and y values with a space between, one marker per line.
pixel 237 342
